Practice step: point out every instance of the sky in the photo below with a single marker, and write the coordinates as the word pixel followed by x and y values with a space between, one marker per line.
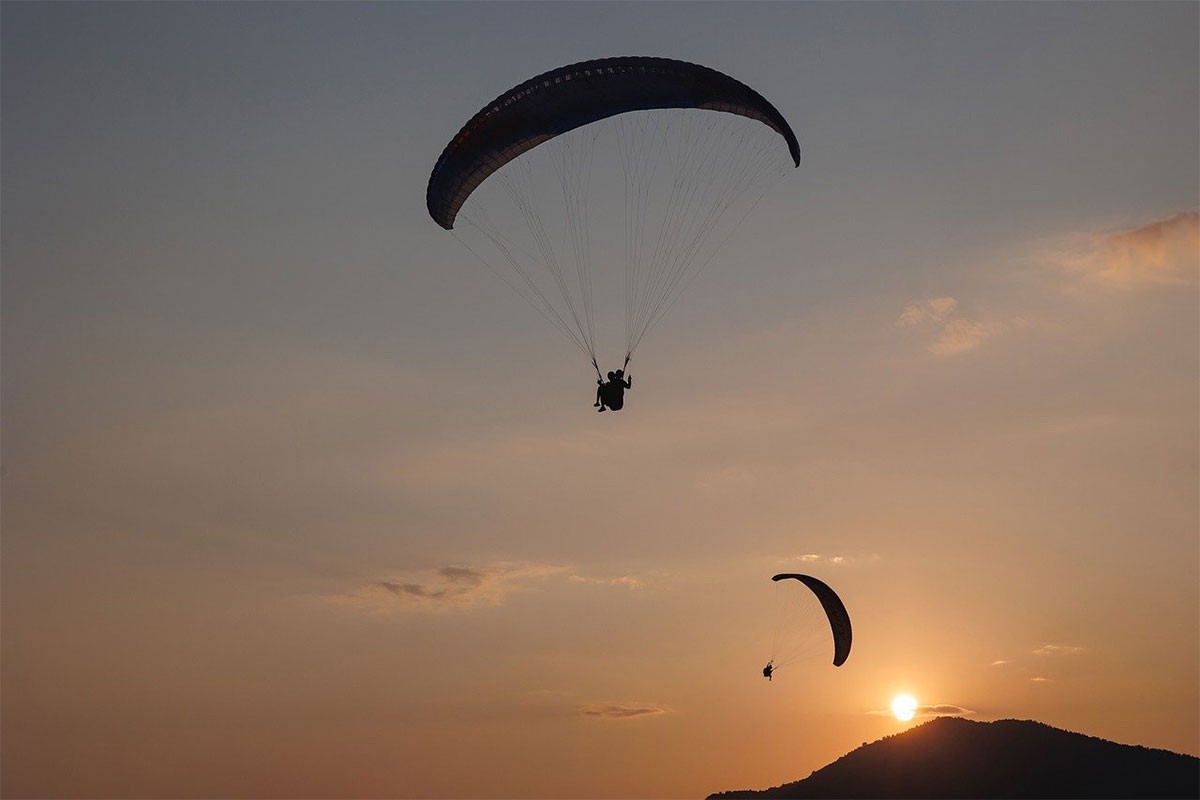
pixel 300 501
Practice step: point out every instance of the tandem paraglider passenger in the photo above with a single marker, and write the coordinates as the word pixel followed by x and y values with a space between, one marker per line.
pixel 768 670
pixel 600 390
pixel 611 395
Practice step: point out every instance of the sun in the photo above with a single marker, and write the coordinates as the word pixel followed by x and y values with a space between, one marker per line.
pixel 904 706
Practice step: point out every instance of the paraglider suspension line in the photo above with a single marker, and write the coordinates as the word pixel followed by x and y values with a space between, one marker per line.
pixel 600 375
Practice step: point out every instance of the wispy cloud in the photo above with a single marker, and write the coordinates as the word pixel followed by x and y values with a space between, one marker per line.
pixel 454 586
pixel 964 335
pixel 623 710
pixel 823 558
pixel 1058 650
pixel 1000 662
pixel 954 334
pixel 934 310
pixel 621 580
pixel 943 710
pixel 462 586
pixel 936 710
pixel 1163 251
pixel 1039 679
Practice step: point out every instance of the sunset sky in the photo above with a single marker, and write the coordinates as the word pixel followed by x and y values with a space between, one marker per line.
pixel 300 501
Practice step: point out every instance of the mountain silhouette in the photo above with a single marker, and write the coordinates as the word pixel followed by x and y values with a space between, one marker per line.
pixel 951 757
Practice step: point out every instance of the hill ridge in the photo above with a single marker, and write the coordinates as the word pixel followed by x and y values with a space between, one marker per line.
pixel 951 757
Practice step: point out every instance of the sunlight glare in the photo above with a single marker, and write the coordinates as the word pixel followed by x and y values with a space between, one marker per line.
pixel 904 706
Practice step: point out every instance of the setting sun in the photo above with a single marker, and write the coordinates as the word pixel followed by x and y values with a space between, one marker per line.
pixel 904 706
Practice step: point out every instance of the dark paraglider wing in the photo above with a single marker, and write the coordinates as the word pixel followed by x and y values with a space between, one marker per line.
pixel 567 98
pixel 835 610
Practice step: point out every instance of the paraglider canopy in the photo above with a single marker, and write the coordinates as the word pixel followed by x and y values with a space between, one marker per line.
pixel 647 162
pixel 835 610
pixel 572 96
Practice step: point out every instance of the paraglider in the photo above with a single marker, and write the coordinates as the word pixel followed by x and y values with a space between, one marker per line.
pixel 661 156
pixel 612 393
pixel 811 611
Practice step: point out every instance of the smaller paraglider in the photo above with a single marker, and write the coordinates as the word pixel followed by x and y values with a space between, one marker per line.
pixel 808 616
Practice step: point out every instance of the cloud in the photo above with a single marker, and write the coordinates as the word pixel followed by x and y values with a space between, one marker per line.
pixel 452 586
pixel 1000 662
pixel 464 575
pixel 623 710
pixel 964 335
pixel 943 710
pixel 622 580
pixel 1162 252
pixel 1058 650
pixel 934 310
pixel 954 334
pixel 937 710
pixel 1039 679
pixel 814 558
pixel 1165 251
pixel 461 586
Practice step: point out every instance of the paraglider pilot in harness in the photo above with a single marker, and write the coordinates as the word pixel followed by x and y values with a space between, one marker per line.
pixel 768 670
pixel 611 394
